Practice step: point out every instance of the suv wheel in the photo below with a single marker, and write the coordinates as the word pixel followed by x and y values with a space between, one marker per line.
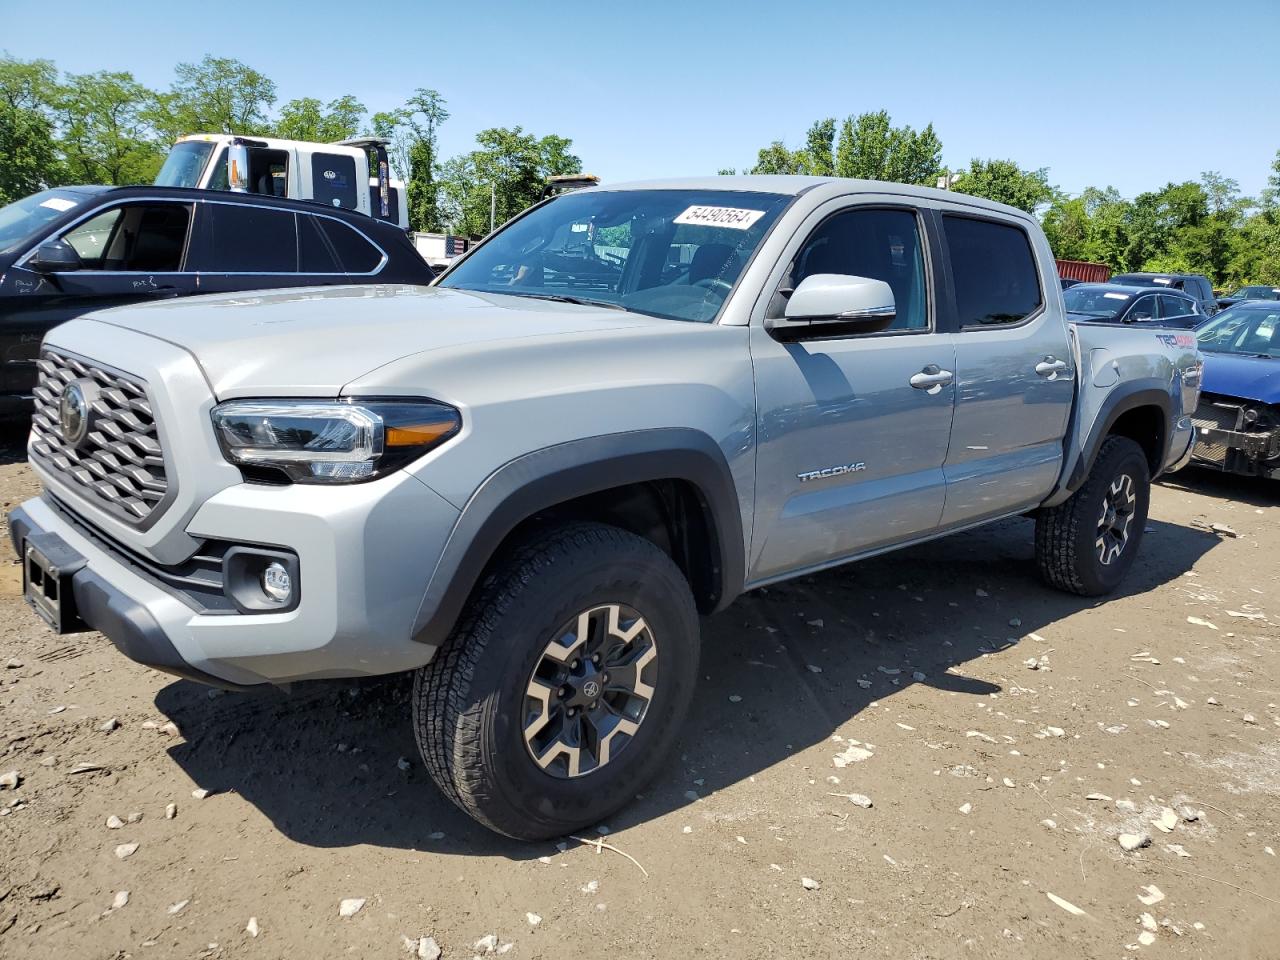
pixel 564 685
pixel 1086 544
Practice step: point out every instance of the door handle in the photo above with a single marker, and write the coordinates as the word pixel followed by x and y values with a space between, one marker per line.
pixel 932 379
pixel 1050 367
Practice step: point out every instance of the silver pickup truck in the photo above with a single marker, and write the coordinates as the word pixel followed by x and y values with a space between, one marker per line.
pixel 624 409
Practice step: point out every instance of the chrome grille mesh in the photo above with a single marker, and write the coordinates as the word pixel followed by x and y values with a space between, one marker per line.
pixel 120 464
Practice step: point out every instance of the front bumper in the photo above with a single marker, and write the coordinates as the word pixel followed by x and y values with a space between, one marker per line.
pixel 365 555
pixel 1253 453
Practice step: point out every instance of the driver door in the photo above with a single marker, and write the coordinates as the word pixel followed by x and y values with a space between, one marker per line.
pixel 852 432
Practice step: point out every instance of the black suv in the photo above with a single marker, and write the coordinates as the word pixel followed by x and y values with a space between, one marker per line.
pixel 1194 285
pixel 70 250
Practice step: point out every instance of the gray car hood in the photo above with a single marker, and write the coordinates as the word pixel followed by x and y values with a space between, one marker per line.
pixel 311 341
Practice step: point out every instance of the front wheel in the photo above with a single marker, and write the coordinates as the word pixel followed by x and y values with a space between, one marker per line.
pixel 1087 544
pixel 564 685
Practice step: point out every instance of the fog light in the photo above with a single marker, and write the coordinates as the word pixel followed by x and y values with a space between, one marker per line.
pixel 276 582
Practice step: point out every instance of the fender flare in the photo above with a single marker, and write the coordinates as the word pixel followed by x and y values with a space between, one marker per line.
pixel 536 481
pixel 1129 396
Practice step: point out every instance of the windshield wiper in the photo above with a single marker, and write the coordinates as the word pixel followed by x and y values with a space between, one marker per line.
pixel 566 298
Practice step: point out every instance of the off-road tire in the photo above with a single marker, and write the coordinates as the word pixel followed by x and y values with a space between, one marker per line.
pixel 468 703
pixel 1066 535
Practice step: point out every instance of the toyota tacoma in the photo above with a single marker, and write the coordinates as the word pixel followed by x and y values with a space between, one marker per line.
pixel 526 482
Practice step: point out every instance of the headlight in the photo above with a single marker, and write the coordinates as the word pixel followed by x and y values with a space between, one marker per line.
pixel 331 442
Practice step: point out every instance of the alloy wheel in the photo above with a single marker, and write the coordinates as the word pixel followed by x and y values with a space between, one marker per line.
pixel 1119 504
pixel 590 691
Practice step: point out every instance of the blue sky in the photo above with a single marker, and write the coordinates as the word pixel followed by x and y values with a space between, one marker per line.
pixel 1131 95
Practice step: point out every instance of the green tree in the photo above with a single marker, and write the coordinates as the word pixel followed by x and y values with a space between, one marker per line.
pixel 1005 182
pixel 819 148
pixel 509 169
pixel 106 137
pixel 308 119
pixel 870 147
pixel 30 155
pixel 216 95
pixel 413 131
pixel 776 158
pixel 29 158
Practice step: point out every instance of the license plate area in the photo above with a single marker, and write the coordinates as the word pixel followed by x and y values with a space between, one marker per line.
pixel 48 565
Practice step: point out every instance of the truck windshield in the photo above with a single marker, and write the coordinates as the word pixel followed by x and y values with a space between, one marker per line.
pixel 21 219
pixel 1094 301
pixel 666 253
pixel 1243 330
pixel 185 164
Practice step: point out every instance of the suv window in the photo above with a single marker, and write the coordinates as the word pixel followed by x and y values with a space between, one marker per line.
pixel 1144 308
pixel 245 239
pixel 993 269
pixel 315 253
pixel 133 237
pixel 355 253
pixel 880 244
pixel 1176 306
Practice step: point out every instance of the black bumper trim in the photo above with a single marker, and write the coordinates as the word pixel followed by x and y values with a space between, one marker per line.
pixel 118 617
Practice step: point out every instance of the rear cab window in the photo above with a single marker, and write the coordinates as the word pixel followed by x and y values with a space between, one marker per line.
pixel 993 270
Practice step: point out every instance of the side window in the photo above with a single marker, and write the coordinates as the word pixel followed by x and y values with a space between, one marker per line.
pixel 268 172
pixel 355 253
pixel 315 253
pixel 1144 308
pixel 245 239
pixel 1175 307
pixel 333 180
pixel 89 239
pixel 994 271
pixel 218 172
pixel 880 244
pixel 134 237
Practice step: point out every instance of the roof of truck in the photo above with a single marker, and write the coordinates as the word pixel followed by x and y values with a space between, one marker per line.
pixel 797 185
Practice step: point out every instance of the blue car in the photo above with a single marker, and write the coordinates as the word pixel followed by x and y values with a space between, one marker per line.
pixel 1238 419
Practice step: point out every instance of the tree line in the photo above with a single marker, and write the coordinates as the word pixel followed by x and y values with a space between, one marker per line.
pixel 1197 226
pixel 107 128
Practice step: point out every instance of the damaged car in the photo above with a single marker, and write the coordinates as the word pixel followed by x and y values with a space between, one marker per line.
pixel 1238 418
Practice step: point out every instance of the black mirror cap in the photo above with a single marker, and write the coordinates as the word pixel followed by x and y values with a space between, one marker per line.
pixel 826 328
pixel 54 256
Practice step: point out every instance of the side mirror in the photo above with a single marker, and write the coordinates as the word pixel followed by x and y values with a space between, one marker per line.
pixel 834 305
pixel 54 256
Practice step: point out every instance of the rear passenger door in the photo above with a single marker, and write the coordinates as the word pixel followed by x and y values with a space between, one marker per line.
pixel 849 451
pixel 246 247
pixel 1178 311
pixel 1014 369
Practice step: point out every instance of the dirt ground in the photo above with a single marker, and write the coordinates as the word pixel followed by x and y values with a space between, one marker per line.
pixel 1006 736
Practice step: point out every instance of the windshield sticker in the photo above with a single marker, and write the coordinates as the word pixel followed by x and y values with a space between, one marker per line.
pixel 731 217
pixel 58 203
pixel 1116 296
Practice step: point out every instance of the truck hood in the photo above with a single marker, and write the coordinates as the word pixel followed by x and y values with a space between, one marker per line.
pixel 1249 378
pixel 312 341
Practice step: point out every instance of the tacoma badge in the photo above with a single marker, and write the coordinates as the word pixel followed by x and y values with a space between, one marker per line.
pixel 831 472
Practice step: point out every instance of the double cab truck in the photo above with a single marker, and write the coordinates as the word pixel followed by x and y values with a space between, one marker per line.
pixel 526 482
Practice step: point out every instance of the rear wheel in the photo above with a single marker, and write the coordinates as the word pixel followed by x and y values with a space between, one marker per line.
pixel 564 685
pixel 1087 544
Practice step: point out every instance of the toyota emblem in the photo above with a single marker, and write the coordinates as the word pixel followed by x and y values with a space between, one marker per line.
pixel 591 689
pixel 74 410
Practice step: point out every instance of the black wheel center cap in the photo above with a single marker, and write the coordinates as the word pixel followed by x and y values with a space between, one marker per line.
pixel 585 688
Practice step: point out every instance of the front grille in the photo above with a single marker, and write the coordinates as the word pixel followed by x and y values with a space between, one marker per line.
pixel 1220 416
pixel 119 466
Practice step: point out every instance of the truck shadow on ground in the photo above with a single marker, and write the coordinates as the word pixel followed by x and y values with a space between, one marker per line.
pixel 324 764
